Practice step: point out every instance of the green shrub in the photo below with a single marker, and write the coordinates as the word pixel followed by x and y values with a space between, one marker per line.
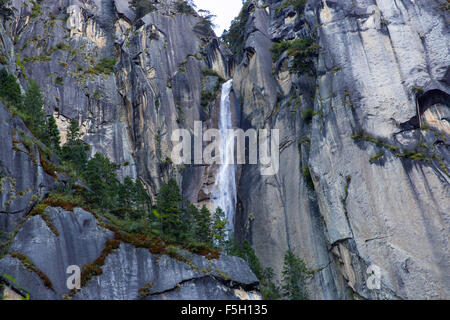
pixel 43 57
pixel 141 7
pixel 210 72
pixel 26 262
pixel 299 5
pixel 307 115
pixel 36 10
pixel 207 97
pixel 418 90
pixel 144 292
pixel 365 137
pixel 307 176
pixel 59 81
pixel 9 89
pixel 375 158
pixel 204 27
pixel 279 48
pixel 302 50
pixel 3 59
pixel 105 65
pixel 414 155
pixel 186 7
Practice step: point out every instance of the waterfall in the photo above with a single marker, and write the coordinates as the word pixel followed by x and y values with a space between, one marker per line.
pixel 224 191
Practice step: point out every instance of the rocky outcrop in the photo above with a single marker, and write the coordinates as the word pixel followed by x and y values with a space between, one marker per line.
pixel 280 212
pixel 384 56
pixel 126 269
pixel 24 177
pixel 376 148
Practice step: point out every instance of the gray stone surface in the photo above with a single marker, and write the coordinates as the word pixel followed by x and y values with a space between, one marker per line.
pixel 23 181
pixel 127 269
pixel 395 210
pixel 383 68
pixel 383 53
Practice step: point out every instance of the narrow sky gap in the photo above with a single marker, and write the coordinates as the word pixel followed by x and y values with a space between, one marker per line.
pixel 225 12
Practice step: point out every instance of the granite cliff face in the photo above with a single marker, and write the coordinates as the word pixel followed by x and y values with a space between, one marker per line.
pixel 369 124
pixel 376 147
pixel 126 271
pixel 127 114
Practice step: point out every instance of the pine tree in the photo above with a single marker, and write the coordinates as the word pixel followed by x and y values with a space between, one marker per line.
pixel 269 288
pixel 219 228
pixel 101 178
pixel 73 133
pixel 10 89
pixel 75 150
pixel 32 106
pixel 190 214
pixel 126 204
pixel 169 209
pixel 133 199
pixel 51 135
pixel 143 201
pixel 203 226
pixel 295 274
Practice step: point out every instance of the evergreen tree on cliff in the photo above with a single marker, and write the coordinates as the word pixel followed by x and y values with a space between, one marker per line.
pixel 219 228
pixel 32 107
pixel 51 134
pixel 169 209
pixel 203 226
pixel 101 178
pixel 74 151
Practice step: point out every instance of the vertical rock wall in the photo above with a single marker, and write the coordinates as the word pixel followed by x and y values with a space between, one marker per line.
pixel 370 125
pixel 376 148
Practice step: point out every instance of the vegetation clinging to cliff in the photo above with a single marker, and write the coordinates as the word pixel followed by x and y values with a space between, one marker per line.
pixel 5 11
pixel 295 272
pixel 93 184
pixel 299 5
pixel 302 51
pixel 128 206
pixel 9 89
pixel 141 7
pixel 29 108
pixel 235 36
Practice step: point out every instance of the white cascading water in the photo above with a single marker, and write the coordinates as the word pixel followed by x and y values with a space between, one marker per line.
pixel 224 192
